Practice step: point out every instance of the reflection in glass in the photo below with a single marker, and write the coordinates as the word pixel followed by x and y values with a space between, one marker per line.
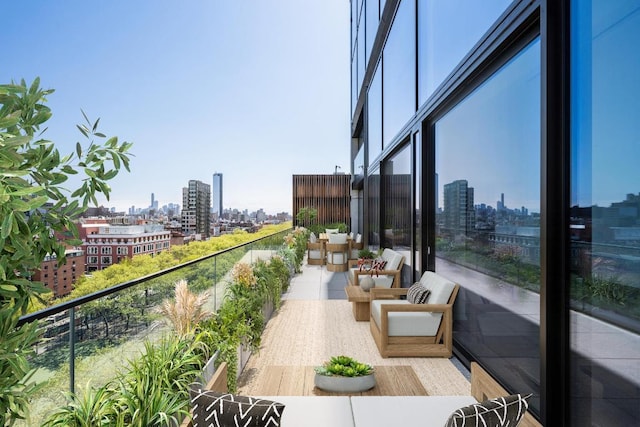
pixel 399 82
pixel 374 117
pixel 488 219
pixel 373 209
pixel 397 204
pixel 605 213
pixel 447 30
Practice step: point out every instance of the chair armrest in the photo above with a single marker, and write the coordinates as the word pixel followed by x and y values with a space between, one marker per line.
pixel 415 308
pixel 387 293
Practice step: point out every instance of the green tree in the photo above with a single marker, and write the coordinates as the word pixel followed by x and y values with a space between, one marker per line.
pixel 36 209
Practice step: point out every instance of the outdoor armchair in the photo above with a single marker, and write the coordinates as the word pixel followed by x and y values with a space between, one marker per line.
pixel 405 329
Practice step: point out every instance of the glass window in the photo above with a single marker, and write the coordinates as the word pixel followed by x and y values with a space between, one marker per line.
pixel 399 69
pixel 417 197
pixel 362 63
pixel 354 79
pixel 372 19
pixel 605 213
pixel 373 209
pixel 374 117
pixel 488 220
pixel 398 204
pixel 447 31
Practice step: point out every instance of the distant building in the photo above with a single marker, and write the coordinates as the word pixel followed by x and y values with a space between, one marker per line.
pixel 216 195
pixel 459 212
pixel 196 207
pixel 106 244
pixel 60 279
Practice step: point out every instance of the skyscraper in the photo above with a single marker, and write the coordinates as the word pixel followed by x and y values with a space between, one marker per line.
pixel 217 194
pixel 196 204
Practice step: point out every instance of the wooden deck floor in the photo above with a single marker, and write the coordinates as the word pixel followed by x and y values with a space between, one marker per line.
pixel 397 380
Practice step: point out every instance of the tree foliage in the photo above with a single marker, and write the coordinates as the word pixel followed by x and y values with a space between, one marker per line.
pixel 36 209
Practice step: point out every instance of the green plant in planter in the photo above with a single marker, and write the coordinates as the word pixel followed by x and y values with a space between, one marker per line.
pixel 366 254
pixel 344 366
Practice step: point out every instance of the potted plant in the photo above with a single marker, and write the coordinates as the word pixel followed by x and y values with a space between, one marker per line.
pixel 343 374
pixel 366 254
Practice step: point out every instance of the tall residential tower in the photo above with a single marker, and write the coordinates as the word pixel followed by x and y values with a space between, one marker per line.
pixel 217 195
pixel 196 206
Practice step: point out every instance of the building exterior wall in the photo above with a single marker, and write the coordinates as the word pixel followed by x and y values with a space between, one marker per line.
pixel 60 279
pixel 105 245
pixel 481 149
pixel 328 194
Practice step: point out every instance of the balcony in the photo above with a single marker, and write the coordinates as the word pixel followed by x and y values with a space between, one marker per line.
pixel 88 340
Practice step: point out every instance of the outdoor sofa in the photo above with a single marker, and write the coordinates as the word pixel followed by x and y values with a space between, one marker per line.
pixel 375 411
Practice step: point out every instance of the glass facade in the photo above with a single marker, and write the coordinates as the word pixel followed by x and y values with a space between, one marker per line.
pixel 447 31
pixel 374 117
pixel 488 219
pixel 397 207
pixel 605 213
pixel 399 81
pixel 474 176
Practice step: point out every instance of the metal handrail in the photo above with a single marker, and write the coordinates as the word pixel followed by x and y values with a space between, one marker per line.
pixel 46 312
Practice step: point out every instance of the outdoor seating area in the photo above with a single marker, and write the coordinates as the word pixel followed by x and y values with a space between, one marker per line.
pixel 305 331
pixel 486 399
pixel 333 248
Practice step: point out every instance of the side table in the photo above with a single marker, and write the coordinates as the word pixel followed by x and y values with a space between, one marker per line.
pixel 359 300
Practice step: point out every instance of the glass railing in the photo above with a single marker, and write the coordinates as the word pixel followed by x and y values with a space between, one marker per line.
pixel 87 341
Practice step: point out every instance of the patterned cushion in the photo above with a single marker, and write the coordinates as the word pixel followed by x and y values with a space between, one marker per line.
pixel 213 409
pixel 499 412
pixel 418 294
pixel 378 264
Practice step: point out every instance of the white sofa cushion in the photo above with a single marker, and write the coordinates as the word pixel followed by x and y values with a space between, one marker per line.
pixel 419 324
pixel 440 288
pixel 315 411
pixel 337 238
pixel 406 324
pixel 315 254
pixel 392 258
pixel 428 411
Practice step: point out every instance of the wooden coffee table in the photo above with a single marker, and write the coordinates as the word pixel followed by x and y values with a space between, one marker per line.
pixel 396 380
pixel 359 300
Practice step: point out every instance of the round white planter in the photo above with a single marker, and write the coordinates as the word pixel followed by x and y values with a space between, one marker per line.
pixel 338 384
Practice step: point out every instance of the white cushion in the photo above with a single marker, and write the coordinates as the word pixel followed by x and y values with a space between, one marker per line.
pixel 406 324
pixel 440 287
pixel 358 238
pixel 428 411
pixel 331 230
pixel 392 257
pixel 338 238
pixel 312 237
pixel 315 411
pixel 337 258
pixel 315 253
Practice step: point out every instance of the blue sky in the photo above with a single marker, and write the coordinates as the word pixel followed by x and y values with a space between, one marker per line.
pixel 257 90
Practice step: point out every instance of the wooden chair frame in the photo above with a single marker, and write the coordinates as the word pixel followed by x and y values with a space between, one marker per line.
pixel 395 273
pixel 331 249
pixel 316 246
pixel 440 345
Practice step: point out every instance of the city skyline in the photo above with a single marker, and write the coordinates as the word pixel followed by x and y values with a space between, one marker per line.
pixel 194 91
